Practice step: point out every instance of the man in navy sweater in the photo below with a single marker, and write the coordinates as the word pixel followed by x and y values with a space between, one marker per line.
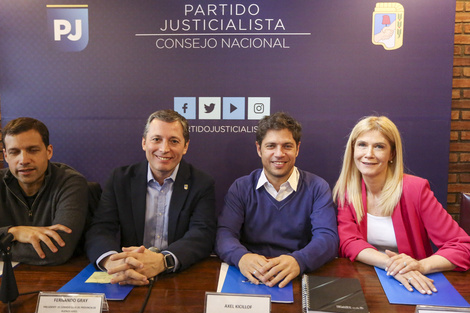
pixel 279 221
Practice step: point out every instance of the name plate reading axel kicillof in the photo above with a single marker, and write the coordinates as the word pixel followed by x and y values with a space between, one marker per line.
pixel 60 302
pixel 217 302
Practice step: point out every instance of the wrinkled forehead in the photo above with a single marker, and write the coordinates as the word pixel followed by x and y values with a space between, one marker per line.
pixel 279 136
pixel 27 139
pixel 377 135
pixel 165 129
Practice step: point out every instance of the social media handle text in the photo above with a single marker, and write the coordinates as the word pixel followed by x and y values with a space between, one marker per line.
pixel 223 129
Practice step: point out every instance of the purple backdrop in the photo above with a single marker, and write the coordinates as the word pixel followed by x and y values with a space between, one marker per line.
pixel 95 83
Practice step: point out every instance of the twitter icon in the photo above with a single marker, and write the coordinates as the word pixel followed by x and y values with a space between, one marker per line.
pixel 210 108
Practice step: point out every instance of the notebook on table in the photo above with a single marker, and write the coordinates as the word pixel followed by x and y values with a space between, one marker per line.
pixel 332 294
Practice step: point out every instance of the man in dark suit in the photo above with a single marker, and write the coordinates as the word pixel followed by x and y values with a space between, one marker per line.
pixel 161 211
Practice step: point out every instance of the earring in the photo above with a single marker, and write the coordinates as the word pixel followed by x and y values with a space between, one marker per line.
pixel 391 161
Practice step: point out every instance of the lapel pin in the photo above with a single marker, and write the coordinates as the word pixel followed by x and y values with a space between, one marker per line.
pixel 186 186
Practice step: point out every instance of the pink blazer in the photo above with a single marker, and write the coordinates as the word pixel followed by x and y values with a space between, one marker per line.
pixel 417 219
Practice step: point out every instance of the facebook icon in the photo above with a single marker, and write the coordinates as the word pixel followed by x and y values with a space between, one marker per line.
pixel 186 106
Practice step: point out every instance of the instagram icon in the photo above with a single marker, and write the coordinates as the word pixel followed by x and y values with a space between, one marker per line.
pixel 258 107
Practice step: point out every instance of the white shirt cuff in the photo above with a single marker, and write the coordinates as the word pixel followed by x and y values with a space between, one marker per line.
pixel 104 255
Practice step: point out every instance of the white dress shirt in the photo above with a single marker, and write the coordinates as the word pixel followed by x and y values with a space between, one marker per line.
pixel 286 188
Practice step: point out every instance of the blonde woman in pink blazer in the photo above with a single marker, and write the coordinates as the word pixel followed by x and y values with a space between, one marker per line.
pixel 392 220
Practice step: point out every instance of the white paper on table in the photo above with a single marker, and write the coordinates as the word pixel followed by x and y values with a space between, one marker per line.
pixel 223 273
pixel 12 264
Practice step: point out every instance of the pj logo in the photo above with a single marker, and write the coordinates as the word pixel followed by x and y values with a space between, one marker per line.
pixel 68 26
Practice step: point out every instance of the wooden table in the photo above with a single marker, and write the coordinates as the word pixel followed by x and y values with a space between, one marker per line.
pixel 185 291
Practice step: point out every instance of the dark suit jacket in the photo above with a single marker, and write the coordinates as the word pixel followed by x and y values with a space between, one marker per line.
pixel 119 220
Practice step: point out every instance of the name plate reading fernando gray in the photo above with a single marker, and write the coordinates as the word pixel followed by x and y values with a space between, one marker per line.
pixel 61 302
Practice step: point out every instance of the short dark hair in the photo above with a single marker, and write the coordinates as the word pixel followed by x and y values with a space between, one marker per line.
pixel 23 124
pixel 168 116
pixel 278 121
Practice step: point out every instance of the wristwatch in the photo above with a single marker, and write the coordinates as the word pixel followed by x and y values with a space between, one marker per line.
pixel 168 259
pixel 169 262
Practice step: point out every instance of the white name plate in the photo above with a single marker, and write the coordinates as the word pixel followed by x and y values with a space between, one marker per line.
pixel 440 309
pixel 217 302
pixel 61 302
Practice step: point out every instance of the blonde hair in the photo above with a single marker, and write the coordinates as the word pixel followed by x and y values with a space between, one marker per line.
pixel 348 188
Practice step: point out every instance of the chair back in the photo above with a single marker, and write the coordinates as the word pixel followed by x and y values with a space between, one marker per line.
pixel 465 212
pixel 94 195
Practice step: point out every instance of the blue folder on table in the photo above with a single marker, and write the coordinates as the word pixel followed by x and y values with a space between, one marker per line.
pixel 235 282
pixel 446 294
pixel 112 291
